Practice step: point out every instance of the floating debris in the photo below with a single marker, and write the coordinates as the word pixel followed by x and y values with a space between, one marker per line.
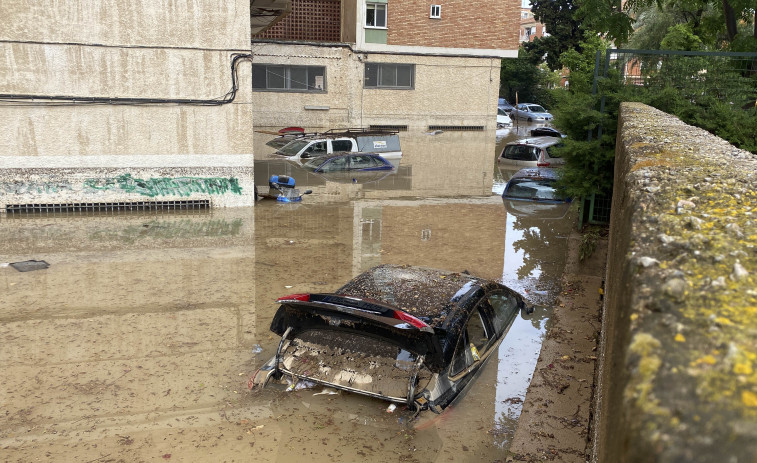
pixel 30 265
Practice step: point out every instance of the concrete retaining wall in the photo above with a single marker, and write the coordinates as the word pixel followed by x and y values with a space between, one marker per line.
pixel 122 49
pixel 678 376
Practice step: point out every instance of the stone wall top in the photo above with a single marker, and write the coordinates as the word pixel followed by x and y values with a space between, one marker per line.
pixel 679 378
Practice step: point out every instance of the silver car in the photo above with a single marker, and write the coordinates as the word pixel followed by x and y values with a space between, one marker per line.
pixel 531 112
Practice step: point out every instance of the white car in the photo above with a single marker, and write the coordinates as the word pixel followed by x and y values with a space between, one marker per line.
pixel 531 112
pixel 503 119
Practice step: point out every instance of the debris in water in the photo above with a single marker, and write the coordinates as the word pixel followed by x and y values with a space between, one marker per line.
pixel 256 349
pixel 29 265
pixel 391 408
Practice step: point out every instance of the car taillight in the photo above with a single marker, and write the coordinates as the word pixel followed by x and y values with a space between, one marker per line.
pixel 542 164
pixel 295 297
pixel 406 317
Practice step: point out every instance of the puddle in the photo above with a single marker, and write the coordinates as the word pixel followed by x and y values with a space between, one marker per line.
pixel 141 339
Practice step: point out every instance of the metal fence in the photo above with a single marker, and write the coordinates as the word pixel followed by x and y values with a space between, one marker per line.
pixel 698 78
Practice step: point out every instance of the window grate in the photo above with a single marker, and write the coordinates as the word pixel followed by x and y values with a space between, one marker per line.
pixel 458 128
pixel 398 128
pixel 106 207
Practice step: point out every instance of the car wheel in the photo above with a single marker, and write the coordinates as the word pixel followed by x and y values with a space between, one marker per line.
pixel 530 120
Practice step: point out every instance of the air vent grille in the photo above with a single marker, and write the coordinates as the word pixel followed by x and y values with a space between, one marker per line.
pixel 106 207
pixel 399 128
pixel 457 128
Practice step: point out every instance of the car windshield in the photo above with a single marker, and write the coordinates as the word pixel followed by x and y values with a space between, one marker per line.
pixel 501 112
pixel 535 108
pixel 532 188
pixel 348 359
pixel 521 153
pixel 293 147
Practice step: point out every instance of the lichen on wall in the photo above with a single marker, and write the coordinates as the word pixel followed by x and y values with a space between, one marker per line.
pixel 691 358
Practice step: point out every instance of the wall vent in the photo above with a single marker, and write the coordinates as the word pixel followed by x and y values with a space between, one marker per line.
pixel 457 128
pixel 106 207
pixel 398 128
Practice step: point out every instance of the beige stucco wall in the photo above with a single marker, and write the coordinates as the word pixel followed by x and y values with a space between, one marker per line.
pixel 448 90
pixel 158 49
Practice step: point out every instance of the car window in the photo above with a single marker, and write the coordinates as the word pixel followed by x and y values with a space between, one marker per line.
pixel 537 109
pixel 317 149
pixel 471 345
pixel 334 164
pixel 362 162
pixel 528 188
pixel 521 153
pixel 551 151
pixel 505 308
pixel 501 112
pixel 341 145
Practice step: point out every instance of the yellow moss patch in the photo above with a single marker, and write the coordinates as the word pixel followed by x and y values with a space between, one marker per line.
pixel 651 163
pixel 680 338
pixel 749 398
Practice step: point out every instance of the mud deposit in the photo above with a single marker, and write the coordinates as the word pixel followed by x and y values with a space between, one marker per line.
pixel 138 341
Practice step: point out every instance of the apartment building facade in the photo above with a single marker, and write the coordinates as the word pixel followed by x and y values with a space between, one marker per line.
pixel 394 63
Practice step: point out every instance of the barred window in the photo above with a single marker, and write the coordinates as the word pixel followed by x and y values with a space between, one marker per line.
pixel 387 75
pixel 285 78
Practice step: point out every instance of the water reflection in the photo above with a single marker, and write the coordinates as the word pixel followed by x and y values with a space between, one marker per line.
pixel 147 326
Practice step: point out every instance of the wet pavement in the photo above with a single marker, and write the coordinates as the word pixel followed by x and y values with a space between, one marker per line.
pixel 138 341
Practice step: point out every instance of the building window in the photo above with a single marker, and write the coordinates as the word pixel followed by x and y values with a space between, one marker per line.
pixel 375 15
pixel 385 75
pixel 284 78
pixel 436 12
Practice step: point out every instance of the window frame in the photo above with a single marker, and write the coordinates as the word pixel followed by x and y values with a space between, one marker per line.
pixel 264 67
pixel 375 6
pixel 383 67
pixel 437 14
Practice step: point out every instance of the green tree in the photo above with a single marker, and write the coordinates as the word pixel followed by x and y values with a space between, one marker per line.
pixel 563 29
pixel 522 78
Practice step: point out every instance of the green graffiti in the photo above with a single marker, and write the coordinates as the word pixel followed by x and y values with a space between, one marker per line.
pixel 166 186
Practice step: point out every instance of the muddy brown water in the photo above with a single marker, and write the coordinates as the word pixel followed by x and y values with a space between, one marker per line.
pixel 137 343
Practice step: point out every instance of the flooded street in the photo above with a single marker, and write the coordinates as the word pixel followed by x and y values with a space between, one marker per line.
pixel 138 341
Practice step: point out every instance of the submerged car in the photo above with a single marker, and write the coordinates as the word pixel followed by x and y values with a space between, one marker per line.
pixel 534 184
pixel 348 162
pixel 531 112
pixel 546 132
pixel 407 335
pixel 528 152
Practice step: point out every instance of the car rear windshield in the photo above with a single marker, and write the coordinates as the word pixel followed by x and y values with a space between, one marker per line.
pixel 352 360
pixel 293 147
pixel 521 153
pixel 539 189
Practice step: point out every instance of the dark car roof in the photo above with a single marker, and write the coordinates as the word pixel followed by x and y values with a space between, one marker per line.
pixel 427 293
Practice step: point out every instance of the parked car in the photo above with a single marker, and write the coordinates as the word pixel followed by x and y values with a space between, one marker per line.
pixel 310 145
pixel 546 132
pixel 534 184
pixel 531 152
pixel 341 162
pixel 408 335
pixel 503 120
pixel 531 112
pixel 503 104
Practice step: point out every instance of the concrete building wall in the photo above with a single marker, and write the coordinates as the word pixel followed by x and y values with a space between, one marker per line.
pixel 447 90
pixel 121 50
pixel 478 24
